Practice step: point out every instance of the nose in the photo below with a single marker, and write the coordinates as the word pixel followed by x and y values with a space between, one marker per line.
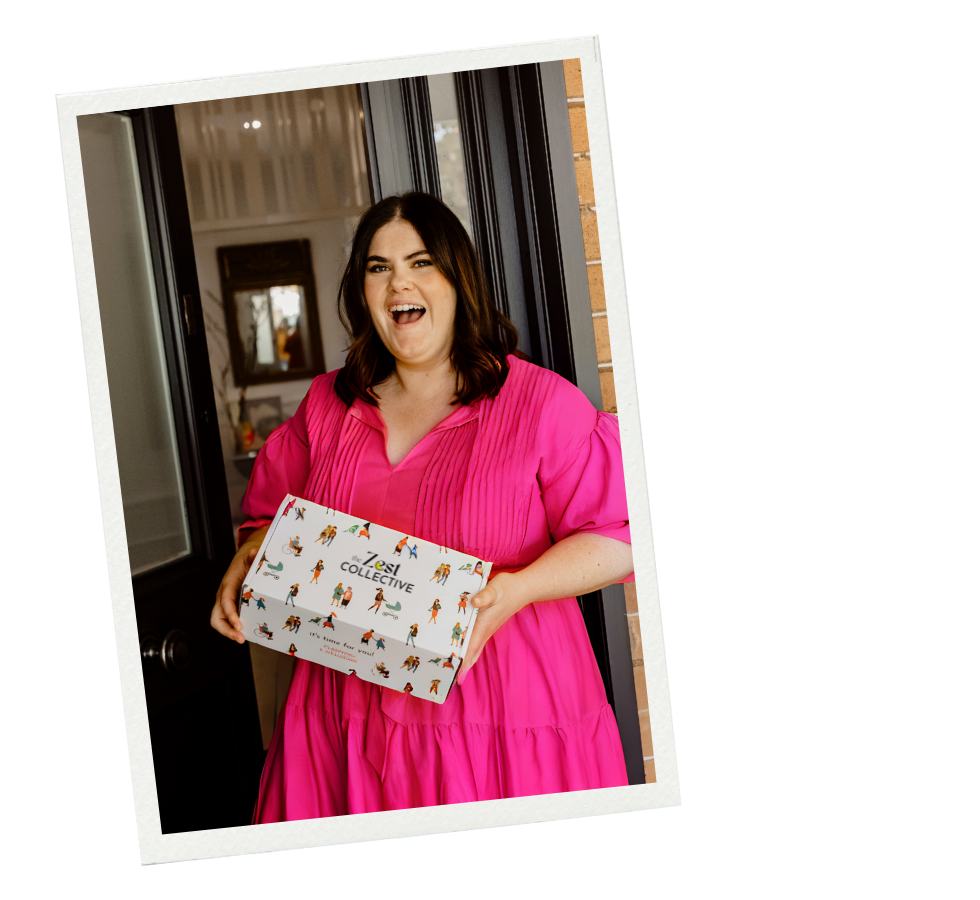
pixel 401 280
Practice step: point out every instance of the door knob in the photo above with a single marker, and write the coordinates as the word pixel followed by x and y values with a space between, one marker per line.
pixel 150 649
pixel 175 651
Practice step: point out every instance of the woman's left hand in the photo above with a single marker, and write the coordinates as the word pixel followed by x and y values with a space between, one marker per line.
pixel 577 565
pixel 496 606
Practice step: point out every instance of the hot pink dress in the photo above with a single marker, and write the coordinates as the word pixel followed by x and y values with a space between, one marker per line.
pixel 501 479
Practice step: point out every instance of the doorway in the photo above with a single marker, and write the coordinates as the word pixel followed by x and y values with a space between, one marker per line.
pixel 234 218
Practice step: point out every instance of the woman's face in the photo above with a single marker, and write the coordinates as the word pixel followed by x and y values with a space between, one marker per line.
pixel 412 304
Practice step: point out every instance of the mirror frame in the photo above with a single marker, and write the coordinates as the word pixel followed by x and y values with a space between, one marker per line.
pixel 259 267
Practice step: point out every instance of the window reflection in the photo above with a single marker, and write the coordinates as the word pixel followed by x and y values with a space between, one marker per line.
pixel 449 146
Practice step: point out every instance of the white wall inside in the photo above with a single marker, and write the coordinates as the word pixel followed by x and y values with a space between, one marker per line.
pixel 329 242
pixel 301 174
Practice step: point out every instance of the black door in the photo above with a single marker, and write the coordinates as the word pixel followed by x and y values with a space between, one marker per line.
pixel 204 728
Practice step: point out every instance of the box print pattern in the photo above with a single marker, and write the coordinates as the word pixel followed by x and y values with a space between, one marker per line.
pixel 353 595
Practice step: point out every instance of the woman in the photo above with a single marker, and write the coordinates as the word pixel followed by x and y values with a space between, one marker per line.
pixel 435 429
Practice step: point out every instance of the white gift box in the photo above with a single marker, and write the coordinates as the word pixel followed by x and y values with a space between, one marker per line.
pixel 337 590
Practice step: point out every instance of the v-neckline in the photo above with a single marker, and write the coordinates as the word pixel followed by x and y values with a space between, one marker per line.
pixel 371 416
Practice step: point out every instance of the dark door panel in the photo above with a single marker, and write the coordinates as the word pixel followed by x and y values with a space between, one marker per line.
pixel 200 695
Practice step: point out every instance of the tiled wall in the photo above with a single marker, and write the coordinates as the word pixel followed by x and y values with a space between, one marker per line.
pixel 593 258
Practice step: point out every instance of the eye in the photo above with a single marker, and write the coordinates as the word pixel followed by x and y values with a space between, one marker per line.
pixel 377 267
pixel 423 262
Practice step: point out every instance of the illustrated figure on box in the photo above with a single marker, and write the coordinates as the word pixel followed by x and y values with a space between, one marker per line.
pixel 246 594
pixel 328 621
pixel 346 597
pixel 509 462
pixel 434 609
pixel 378 600
pixel 380 642
pixel 264 631
pixel 400 545
pixel 364 531
pixel 367 636
pixel 463 600
pixel 440 572
pixel 412 663
pixel 316 570
pixel 292 547
pixel 299 512
pixel 290 621
pixel 413 551
pixel 448 662
pixel 289 506
pixel 435 686
pixel 457 636
pixel 327 535
pixel 382 670
pixel 478 568
pixel 259 604
pixel 292 649
pixel 293 591
pixel 262 561
pixel 408 688
pixel 352 529
pixel 338 592
pixel 413 633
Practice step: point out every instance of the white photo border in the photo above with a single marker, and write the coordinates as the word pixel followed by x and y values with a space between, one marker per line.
pixel 156 847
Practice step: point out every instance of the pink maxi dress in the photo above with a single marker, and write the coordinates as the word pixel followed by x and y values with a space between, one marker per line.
pixel 501 479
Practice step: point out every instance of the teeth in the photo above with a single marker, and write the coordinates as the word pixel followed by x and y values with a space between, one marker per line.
pixel 405 307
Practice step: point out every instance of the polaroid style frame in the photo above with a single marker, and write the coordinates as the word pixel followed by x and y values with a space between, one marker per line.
pixel 156 847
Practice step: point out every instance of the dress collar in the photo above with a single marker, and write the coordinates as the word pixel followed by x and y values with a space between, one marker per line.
pixel 371 416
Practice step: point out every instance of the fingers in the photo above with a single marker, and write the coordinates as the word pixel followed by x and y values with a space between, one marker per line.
pixel 481 634
pixel 487 597
pixel 224 616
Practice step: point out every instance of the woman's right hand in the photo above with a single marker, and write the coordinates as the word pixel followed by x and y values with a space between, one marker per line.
pixel 224 616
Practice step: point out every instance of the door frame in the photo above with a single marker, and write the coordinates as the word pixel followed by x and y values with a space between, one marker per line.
pixel 183 590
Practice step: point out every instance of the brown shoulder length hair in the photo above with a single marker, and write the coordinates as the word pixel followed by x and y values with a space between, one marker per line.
pixel 483 336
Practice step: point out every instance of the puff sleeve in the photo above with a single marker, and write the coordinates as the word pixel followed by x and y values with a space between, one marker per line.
pixel 581 474
pixel 282 467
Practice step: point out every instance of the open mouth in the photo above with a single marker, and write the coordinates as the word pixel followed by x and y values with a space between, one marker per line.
pixel 406 313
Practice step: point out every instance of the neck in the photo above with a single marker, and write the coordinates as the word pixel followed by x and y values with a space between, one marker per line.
pixel 424 380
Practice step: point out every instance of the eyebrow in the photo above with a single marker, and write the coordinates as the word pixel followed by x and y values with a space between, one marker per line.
pixel 385 259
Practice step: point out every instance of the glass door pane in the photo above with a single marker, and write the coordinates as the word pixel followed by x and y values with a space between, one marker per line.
pixel 139 391
pixel 449 146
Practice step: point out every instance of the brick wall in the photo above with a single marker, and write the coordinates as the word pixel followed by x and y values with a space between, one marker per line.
pixel 593 259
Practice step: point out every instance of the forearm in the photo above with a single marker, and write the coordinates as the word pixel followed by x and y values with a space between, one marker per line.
pixel 577 565
pixel 254 538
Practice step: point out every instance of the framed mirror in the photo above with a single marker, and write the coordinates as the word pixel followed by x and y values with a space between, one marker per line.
pixel 270 305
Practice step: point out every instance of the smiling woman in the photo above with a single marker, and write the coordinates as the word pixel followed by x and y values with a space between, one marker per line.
pixel 412 250
pixel 412 304
pixel 436 429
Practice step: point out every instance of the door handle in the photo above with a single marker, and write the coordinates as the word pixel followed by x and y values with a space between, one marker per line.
pixel 173 653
